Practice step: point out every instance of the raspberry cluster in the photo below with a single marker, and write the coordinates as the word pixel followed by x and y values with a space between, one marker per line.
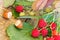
pixel 42 29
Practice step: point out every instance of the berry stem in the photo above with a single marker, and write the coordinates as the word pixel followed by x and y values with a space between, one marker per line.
pixel 44 27
pixel 36 23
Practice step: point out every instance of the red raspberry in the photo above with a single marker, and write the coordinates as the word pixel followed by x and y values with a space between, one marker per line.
pixel 53 25
pixel 42 23
pixel 50 38
pixel 44 32
pixel 57 37
pixel 19 8
pixel 35 32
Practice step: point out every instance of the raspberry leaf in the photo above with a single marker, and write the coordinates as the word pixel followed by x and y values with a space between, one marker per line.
pixel 8 3
pixel 23 2
pixel 15 14
pixel 24 34
pixel 49 32
pixel 58 27
pixel 49 17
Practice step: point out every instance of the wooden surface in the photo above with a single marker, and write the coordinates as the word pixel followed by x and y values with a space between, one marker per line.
pixel 3 26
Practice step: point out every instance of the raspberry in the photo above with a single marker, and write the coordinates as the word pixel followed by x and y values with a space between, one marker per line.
pixel 44 32
pixel 42 23
pixel 57 37
pixel 50 38
pixel 53 25
pixel 19 8
pixel 35 33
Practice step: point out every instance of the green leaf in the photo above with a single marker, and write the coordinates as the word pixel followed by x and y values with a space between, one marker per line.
pixel 8 3
pixel 49 32
pixel 49 17
pixel 23 2
pixel 21 34
pixel 58 27
pixel 14 13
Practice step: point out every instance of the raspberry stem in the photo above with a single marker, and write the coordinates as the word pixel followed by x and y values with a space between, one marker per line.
pixel 44 27
pixel 36 23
